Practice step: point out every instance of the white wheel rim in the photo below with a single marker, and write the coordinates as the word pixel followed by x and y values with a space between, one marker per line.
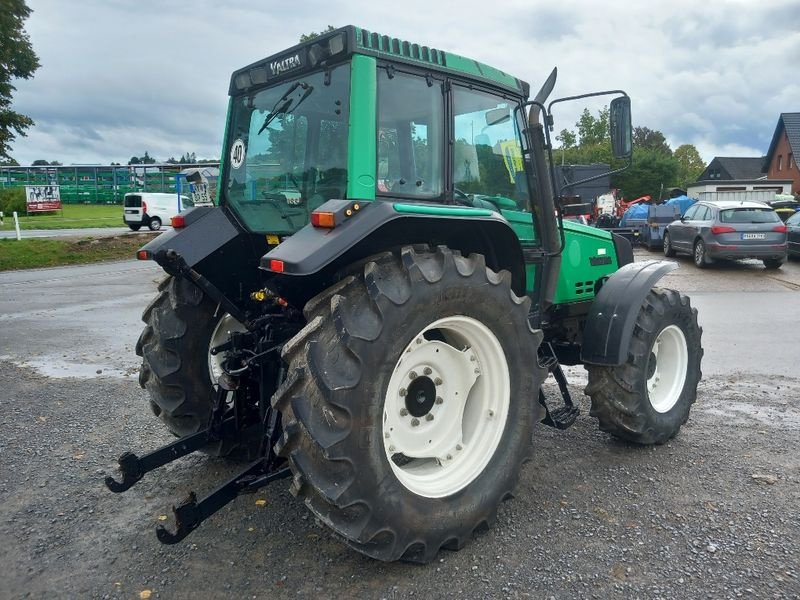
pixel 446 406
pixel 227 324
pixel 671 356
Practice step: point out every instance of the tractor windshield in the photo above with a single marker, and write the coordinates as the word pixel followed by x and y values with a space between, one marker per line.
pixel 287 150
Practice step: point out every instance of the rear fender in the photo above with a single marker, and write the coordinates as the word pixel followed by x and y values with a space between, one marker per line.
pixel 313 258
pixel 612 316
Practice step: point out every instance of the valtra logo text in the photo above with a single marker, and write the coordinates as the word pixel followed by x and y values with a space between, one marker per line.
pixel 279 66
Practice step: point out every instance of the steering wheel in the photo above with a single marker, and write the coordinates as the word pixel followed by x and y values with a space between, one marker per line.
pixel 461 196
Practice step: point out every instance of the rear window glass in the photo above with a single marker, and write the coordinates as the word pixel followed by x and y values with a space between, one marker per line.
pixel 748 215
pixel 133 201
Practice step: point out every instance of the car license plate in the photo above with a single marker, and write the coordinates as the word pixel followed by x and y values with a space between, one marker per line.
pixel 131 212
pixel 753 236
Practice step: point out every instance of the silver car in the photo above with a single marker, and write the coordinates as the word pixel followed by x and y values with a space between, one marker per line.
pixel 728 229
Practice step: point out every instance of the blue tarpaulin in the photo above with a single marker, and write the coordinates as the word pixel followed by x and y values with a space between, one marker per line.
pixel 684 202
pixel 637 211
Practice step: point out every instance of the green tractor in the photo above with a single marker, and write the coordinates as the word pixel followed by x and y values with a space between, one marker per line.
pixel 385 284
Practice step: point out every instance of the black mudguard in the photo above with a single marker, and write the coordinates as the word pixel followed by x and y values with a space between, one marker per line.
pixel 214 245
pixel 311 258
pixel 609 325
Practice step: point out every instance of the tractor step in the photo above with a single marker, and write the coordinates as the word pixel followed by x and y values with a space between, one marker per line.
pixel 563 416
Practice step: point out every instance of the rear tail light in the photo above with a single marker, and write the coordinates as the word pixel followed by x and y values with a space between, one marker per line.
pixel 780 228
pixel 717 229
pixel 276 266
pixel 178 222
pixel 143 255
pixel 144 206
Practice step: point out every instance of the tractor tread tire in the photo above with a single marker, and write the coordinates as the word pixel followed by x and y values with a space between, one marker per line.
pixel 619 394
pixel 332 431
pixel 174 371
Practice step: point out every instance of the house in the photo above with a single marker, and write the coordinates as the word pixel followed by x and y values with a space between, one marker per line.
pixel 781 162
pixel 726 168
pixel 737 178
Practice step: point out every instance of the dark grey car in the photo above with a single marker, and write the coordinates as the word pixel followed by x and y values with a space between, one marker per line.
pixel 727 230
pixel 793 225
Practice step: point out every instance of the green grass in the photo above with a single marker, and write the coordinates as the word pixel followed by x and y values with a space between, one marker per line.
pixel 73 216
pixel 36 253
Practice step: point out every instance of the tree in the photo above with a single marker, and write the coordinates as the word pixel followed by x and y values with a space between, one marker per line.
pixel 690 164
pixel 644 137
pixel 17 60
pixel 652 170
pixel 142 160
pixel 593 130
pixel 313 34
pixel 39 163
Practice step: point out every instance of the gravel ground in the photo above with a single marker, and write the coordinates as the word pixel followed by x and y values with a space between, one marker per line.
pixel 712 514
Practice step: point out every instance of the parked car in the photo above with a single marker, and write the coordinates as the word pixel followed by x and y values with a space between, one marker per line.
pixel 727 230
pixel 793 226
pixel 151 209
pixel 785 208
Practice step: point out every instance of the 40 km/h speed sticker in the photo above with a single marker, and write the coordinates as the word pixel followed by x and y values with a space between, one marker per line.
pixel 237 153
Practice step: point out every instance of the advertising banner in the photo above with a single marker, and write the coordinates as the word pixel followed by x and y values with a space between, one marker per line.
pixel 42 198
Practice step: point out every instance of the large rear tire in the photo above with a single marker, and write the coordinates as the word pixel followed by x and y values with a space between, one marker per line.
pixel 176 366
pixel 647 399
pixel 409 402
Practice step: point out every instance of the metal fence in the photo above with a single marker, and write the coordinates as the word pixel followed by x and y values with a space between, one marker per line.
pixel 103 184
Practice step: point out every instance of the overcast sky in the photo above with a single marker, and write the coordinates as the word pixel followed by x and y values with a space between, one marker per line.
pixel 119 77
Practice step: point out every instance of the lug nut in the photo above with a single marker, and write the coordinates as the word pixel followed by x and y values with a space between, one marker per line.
pixel 403 391
pixel 419 340
pixel 439 399
pixel 491 413
pixel 429 417
pixel 386 435
pixel 391 448
pixel 477 371
pixel 449 457
pixel 403 412
pixel 414 422
pixel 458 447
pixel 427 371
pixel 412 375
pixel 472 358
pixel 438 381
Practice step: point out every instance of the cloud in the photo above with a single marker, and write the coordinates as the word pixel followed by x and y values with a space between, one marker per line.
pixel 119 78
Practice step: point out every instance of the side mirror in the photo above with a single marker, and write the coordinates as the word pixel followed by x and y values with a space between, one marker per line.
pixel 620 127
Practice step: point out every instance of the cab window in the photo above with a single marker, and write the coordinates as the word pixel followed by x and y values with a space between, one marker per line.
pixel 410 137
pixel 487 156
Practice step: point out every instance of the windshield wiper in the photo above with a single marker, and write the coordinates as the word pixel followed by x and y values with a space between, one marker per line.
pixel 285 102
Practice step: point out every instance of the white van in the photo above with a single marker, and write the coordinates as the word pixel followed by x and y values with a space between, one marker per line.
pixel 151 209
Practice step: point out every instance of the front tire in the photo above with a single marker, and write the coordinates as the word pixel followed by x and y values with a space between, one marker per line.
pixel 648 399
pixel 410 401
pixel 669 251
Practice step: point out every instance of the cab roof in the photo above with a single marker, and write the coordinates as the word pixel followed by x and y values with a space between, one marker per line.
pixel 357 40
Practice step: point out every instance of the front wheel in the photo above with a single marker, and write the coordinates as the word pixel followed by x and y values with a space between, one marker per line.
pixel 647 399
pixel 409 402
pixel 669 251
